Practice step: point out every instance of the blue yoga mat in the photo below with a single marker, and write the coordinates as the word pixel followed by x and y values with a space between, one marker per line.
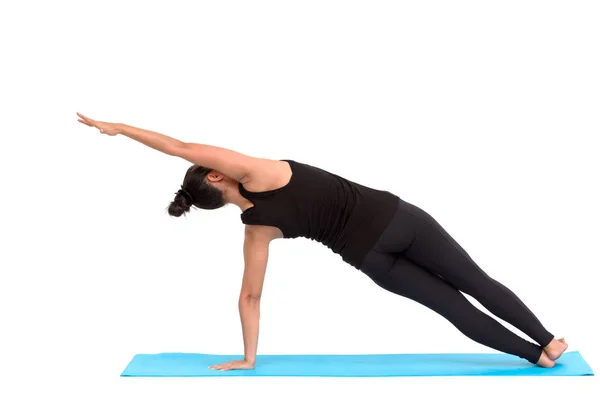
pixel 367 365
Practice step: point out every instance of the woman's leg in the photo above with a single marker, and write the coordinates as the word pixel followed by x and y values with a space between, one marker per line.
pixel 397 274
pixel 434 249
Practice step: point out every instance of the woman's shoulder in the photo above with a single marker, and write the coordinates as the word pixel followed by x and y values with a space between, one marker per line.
pixel 269 175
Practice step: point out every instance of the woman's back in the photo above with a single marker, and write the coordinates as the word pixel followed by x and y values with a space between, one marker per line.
pixel 344 216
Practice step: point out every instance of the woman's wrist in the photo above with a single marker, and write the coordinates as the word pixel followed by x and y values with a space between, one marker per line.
pixel 121 127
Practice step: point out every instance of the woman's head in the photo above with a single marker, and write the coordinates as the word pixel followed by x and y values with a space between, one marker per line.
pixel 197 191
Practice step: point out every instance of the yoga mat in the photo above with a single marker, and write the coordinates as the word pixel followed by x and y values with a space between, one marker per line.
pixel 367 365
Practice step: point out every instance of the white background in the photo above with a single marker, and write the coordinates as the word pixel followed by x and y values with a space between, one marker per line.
pixel 482 113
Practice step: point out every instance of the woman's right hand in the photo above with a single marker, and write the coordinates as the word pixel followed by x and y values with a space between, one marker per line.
pixel 108 128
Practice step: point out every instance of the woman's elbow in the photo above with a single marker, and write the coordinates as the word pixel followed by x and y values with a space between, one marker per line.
pixel 250 297
pixel 181 150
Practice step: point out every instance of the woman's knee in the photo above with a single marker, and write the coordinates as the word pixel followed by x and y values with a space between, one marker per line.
pixel 479 285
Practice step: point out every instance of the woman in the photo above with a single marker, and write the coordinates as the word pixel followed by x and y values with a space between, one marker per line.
pixel 396 244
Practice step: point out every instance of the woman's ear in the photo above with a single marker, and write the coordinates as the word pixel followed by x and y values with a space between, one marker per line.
pixel 214 176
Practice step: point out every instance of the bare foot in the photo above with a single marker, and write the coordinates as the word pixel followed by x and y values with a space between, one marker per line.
pixel 555 349
pixel 545 361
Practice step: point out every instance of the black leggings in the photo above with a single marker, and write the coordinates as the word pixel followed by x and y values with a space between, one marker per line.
pixel 416 258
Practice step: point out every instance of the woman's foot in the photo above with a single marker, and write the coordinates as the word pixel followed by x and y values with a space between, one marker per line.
pixel 545 361
pixel 555 349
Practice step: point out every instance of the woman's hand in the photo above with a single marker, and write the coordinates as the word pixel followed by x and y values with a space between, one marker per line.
pixel 107 128
pixel 237 364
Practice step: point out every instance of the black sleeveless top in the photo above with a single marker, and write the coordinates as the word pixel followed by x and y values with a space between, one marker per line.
pixel 346 217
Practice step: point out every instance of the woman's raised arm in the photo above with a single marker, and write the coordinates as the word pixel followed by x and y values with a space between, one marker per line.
pixel 233 164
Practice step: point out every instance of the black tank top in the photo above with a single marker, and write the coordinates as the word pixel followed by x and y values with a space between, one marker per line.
pixel 345 216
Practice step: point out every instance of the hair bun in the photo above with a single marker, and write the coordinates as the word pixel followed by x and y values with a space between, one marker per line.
pixel 181 204
pixel 185 194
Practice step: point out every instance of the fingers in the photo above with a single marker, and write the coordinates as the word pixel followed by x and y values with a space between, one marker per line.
pixel 231 365
pixel 225 366
pixel 80 115
pixel 218 366
pixel 90 122
pixel 87 120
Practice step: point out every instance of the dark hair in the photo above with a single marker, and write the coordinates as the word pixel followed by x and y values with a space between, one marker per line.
pixel 195 191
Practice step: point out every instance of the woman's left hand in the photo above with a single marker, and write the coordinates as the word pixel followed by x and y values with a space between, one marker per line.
pixel 237 364
pixel 108 128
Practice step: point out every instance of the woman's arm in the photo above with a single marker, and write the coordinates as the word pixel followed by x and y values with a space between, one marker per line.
pixel 256 254
pixel 233 164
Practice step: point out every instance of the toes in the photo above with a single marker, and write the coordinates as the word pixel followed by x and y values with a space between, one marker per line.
pixel 563 341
